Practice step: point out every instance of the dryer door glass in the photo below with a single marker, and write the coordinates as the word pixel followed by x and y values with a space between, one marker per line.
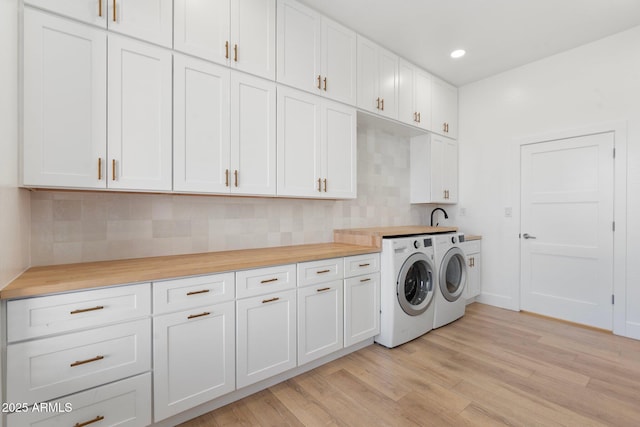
pixel 453 274
pixel 415 284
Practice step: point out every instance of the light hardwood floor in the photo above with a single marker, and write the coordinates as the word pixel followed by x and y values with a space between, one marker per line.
pixel 492 367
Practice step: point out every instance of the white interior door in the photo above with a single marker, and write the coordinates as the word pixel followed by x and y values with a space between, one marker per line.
pixel 567 229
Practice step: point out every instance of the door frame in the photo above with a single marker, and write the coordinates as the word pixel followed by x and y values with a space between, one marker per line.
pixel 619 129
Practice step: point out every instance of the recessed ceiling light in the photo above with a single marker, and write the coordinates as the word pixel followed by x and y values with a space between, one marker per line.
pixel 459 53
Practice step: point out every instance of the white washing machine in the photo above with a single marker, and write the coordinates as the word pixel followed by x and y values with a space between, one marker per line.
pixel 452 278
pixel 408 275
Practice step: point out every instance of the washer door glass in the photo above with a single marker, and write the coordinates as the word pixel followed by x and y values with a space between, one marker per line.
pixel 415 284
pixel 453 274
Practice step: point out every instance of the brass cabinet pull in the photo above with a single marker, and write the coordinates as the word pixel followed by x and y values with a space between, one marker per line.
pixel 83 362
pixel 322 289
pixel 193 316
pixel 365 280
pixel 100 8
pixel 86 423
pixel 419 119
pixel 325 185
pixel 84 310
pixel 235 173
pixel 113 169
pixel 99 168
pixel 226 177
pixel 322 271
pixel 364 265
pixel 114 12
pixel 319 79
pixel 264 301
pixel 203 291
pixel 325 84
pixel 275 279
pixel 226 49
pixel 378 103
pixel 235 52
pixel 319 184
pixel 382 104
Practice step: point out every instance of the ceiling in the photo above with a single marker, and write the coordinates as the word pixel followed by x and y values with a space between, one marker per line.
pixel 497 34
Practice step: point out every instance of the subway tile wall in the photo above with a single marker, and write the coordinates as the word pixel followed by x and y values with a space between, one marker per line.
pixel 70 227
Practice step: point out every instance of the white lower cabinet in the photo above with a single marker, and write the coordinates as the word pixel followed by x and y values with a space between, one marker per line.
pixel 194 357
pixel 320 320
pixel 48 368
pixel 266 336
pixel 472 251
pixel 361 308
pixel 124 403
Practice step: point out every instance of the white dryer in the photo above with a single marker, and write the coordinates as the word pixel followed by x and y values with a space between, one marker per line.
pixel 452 278
pixel 407 274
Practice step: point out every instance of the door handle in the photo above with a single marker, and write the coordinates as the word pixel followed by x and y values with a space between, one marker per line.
pixel 528 236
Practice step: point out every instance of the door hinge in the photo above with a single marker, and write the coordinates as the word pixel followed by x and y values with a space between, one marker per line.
pixel 613 227
pixel 613 299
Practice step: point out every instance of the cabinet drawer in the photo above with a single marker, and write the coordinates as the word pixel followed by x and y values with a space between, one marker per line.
pixel 182 294
pixel 260 281
pixel 124 403
pixel 47 368
pixel 361 264
pixel 36 317
pixel 471 246
pixel 310 273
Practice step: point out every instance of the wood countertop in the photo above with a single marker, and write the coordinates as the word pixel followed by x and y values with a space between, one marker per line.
pixel 372 236
pixel 72 277
pixel 468 237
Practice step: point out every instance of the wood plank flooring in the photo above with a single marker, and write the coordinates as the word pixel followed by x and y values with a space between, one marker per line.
pixel 492 367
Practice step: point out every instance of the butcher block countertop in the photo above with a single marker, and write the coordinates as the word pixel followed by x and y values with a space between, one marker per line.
pixel 373 236
pixel 72 277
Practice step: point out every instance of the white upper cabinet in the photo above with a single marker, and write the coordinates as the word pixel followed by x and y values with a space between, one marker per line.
pixel 149 20
pixel 224 130
pixel 201 127
pixel 65 103
pixel 316 146
pixel 139 131
pixel 377 79
pixel 444 107
pixel 238 33
pixel 315 54
pixel 434 169
pixel 414 96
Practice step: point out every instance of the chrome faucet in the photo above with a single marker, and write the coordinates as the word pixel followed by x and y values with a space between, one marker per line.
pixel 434 211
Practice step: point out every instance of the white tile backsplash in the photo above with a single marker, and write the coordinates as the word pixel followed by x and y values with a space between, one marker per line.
pixel 90 226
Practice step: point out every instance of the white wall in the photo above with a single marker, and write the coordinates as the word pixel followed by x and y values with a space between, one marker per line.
pixel 593 84
pixel 14 203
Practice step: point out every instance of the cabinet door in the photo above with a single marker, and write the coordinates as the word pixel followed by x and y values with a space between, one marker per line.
pixel 368 93
pixel 338 62
pixel 65 118
pixel 201 145
pixel 149 20
pixel 450 172
pixel 186 375
pixel 407 112
pixel 253 36
pixel 339 151
pixel 437 169
pixel 388 83
pixel 253 135
pixel 203 29
pixel 422 98
pixel 298 148
pixel 320 320
pixel 444 108
pixel 83 10
pixel 298 46
pixel 139 93
pixel 361 308
pixel 266 336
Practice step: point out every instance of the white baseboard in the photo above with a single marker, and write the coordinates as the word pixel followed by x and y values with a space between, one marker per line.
pixel 497 301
